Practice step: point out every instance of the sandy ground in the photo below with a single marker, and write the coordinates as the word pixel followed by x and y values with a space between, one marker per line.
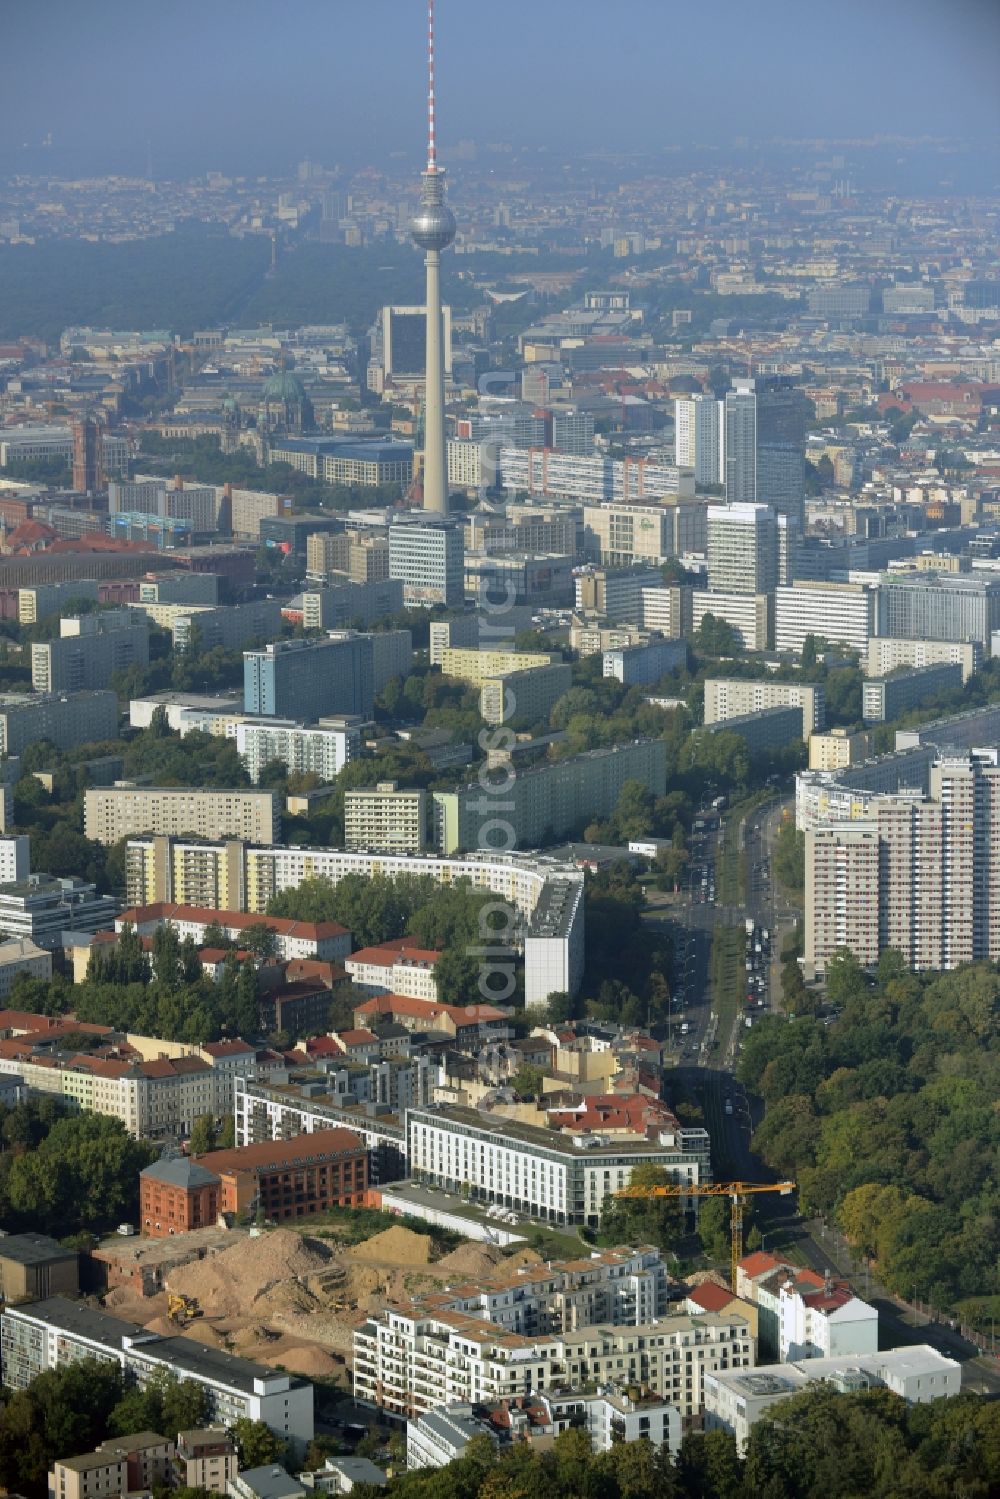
pixel 291 1300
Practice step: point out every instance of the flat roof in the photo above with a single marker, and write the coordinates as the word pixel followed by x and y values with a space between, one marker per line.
pixel 33 1249
pixel 195 1359
pixel 539 1137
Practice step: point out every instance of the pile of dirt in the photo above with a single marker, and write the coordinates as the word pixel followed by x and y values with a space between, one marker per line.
pixel 523 1257
pixel 469 1260
pixel 229 1283
pixel 304 1359
pixel 699 1278
pixel 394 1246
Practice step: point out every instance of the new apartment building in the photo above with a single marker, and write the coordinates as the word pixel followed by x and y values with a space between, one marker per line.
pixel 736 1400
pixel 116 812
pixel 731 697
pixel 90 650
pixel 66 719
pixel 547 896
pixel 386 817
pixel 409 1361
pixel 554 1177
pixel 53 1333
pixel 526 528
pixel 321 748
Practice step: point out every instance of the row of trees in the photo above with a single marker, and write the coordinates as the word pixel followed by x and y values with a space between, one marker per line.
pixel 68 1173
pixel 71 1410
pixel 885 1117
pixel 379 909
pixel 817 1445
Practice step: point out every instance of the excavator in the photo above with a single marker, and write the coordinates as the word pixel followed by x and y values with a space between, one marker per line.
pixel 182 1309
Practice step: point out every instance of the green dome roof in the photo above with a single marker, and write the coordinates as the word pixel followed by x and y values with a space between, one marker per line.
pixel 284 387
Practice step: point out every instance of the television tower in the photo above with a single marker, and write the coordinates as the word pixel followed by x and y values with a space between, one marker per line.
pixel 433 230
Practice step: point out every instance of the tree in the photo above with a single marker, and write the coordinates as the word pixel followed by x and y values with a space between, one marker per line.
pixel 261 939
pixel 84 1174
pixel 636 1220
pixel 202 1135
pixel 527 1081
pixel 716 637
pixel 256 1444
pixel 246 1004
pixel 808 654
pixel 714 1227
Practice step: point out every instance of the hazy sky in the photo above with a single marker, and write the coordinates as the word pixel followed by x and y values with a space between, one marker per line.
pixel 245 83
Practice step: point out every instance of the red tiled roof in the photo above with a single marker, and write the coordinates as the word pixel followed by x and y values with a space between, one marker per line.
pixel 24 1020
pixel 427 1009
pixel 710 1297
pixel 277 1153
pixel 399 951
pixel 761 1263
pixel 358 1038
pixel 205 915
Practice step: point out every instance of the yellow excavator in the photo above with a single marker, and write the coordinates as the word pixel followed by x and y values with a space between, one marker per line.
pixel 182 1309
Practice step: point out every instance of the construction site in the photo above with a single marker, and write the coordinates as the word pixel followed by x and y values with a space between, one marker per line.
pixel 281 1297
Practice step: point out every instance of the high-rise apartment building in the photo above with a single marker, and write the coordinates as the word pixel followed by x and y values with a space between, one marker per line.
pixel 741 444
pixel 742 549
pixel 919 874
pixel 321 749
pixel 387 817
pixel 65 719
pixel 304 679
pixel 840 612
pixel 115 812
pixel 90 650
pixel 428 557
pixel 731 697
pixel 700 442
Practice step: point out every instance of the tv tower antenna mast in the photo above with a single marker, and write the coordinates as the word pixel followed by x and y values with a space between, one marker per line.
pixel 433 229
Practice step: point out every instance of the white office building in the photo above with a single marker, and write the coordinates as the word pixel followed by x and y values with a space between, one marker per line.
pixel 700 437
pixel 735 1400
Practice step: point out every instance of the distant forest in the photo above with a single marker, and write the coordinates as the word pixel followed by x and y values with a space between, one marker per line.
pixel 200 277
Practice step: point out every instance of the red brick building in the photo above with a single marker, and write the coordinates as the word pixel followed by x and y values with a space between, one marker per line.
pixel 175 1195
pixel 282 1179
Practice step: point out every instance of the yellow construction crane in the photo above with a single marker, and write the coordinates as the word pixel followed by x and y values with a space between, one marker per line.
pixel 735 1191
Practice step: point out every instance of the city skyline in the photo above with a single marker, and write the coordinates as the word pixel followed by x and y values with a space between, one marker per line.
pixel 777 72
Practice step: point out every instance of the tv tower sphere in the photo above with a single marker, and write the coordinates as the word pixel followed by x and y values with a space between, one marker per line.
pixel 433 225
